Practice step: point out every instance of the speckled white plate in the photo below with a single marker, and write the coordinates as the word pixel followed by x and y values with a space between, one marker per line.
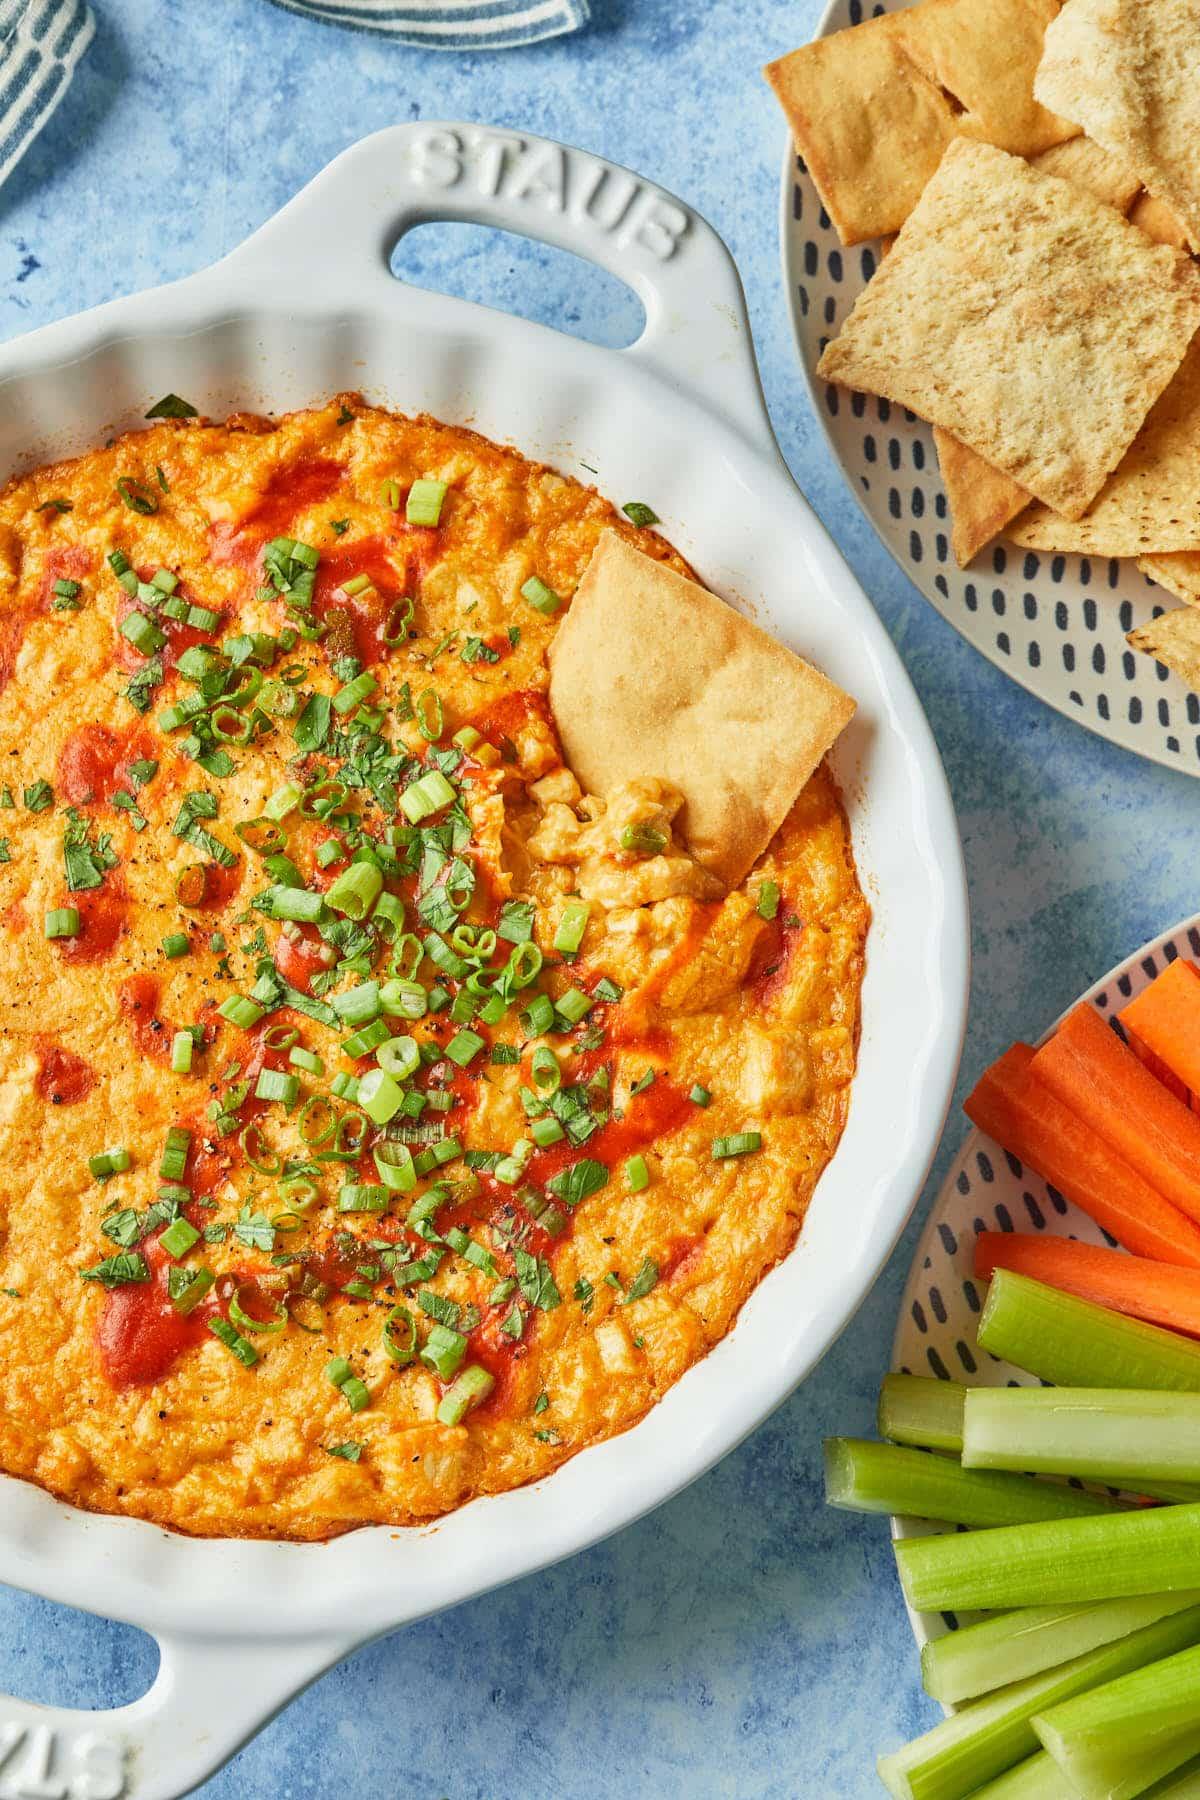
pixel 987 1189
pixel 1056 624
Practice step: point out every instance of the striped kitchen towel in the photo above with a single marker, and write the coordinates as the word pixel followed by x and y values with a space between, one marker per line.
pixel 451 24
pixel 40 43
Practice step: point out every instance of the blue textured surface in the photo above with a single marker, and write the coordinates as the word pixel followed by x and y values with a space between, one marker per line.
pixel 742 1641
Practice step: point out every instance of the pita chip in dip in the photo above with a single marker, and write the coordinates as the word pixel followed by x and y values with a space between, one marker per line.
pixel 651 675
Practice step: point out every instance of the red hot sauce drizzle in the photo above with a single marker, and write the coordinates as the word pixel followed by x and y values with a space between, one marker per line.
pixel 63 1078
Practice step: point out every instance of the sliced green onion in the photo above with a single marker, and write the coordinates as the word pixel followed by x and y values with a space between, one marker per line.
pixel 571 926
pixel 182 1046
pixel 307 1060
pixel 302 905
pixel 241 1011
pixel 109 1162
pixel 62 922
pixel 354 692
pixel 179 1238
pixel 474 1384
pixel 643 839
pixel 275 1085
pixel 426 796
pixel 443 1351
pixel 353 1391
pixel 195 1283
pixel 543 599
pixel 400 1336
pixel 379 1096
pixel 740 1143
pixel 355 891
pixel 574 1005
pixel 399 1056
pixel 233 1341
pixel 545 1132
pixel 241 1318
pixel 173 1161
pixel 700 1096
pixel 545 1072
pixel 358 1005
pixel 425 499
pixel 362 1197
pixel 404 999
pixel 284 800
pixel 768 900
pixel 464 1046
pixel 176 943
pixel 637 1175
pixel 394 1163
pixel 142 632
pixel 369 1038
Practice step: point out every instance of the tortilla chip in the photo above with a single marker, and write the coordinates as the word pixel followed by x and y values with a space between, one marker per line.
pixel 1152 502
pixel 1156 219
pixel 872 108
pixel 870 127
pixel 1126 71
pixel 1091 168
pixel 982 501
pixel 651 675
pixel 1178 573
pixel 1024 317
pixel 1174 640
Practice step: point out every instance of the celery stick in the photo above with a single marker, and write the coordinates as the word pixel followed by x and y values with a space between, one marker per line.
pixel 1155 1550
pixel 861 1476
pixel 990 1735
pixel 1009 1646
pixel 1184 1784
pixel 1037 1778
pixel 916 1409
pixel 1119 1739
pixel 1120 1435
pixel 1077 1344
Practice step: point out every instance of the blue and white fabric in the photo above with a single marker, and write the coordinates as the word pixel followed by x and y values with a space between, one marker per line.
pixel 451 24
pixel 41 41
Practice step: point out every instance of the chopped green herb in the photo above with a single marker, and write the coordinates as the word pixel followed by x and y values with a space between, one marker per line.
pixel 640 513
pixel 768 900
pixel 349 1452
pixel 38 796
pixel 118 1271
pixel 172 407
pixel 645 1279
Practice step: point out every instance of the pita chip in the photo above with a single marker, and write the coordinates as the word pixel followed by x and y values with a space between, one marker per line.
pixel 1093 169
pixel 982 501
pixel 651 675
pixel 1173 639
pixel 1152 502
pixel 1026 318
pixel 1126 71
pixel 1179 573
pixel 870 127
pixel 872 108
pixel 1156 219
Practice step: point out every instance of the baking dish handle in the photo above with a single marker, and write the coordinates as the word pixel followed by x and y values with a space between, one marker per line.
pixel 697 335
pixel 208 1698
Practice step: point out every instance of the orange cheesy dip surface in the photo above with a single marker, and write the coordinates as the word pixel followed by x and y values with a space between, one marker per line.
pixel 382 1120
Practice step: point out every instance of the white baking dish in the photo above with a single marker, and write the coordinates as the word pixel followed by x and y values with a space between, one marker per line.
pixel 306 307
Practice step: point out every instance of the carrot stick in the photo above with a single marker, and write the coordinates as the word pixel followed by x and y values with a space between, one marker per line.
pixel 1158 1292
pixel 1166 1018
pixel 1013 1106
pixel 1089 1069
